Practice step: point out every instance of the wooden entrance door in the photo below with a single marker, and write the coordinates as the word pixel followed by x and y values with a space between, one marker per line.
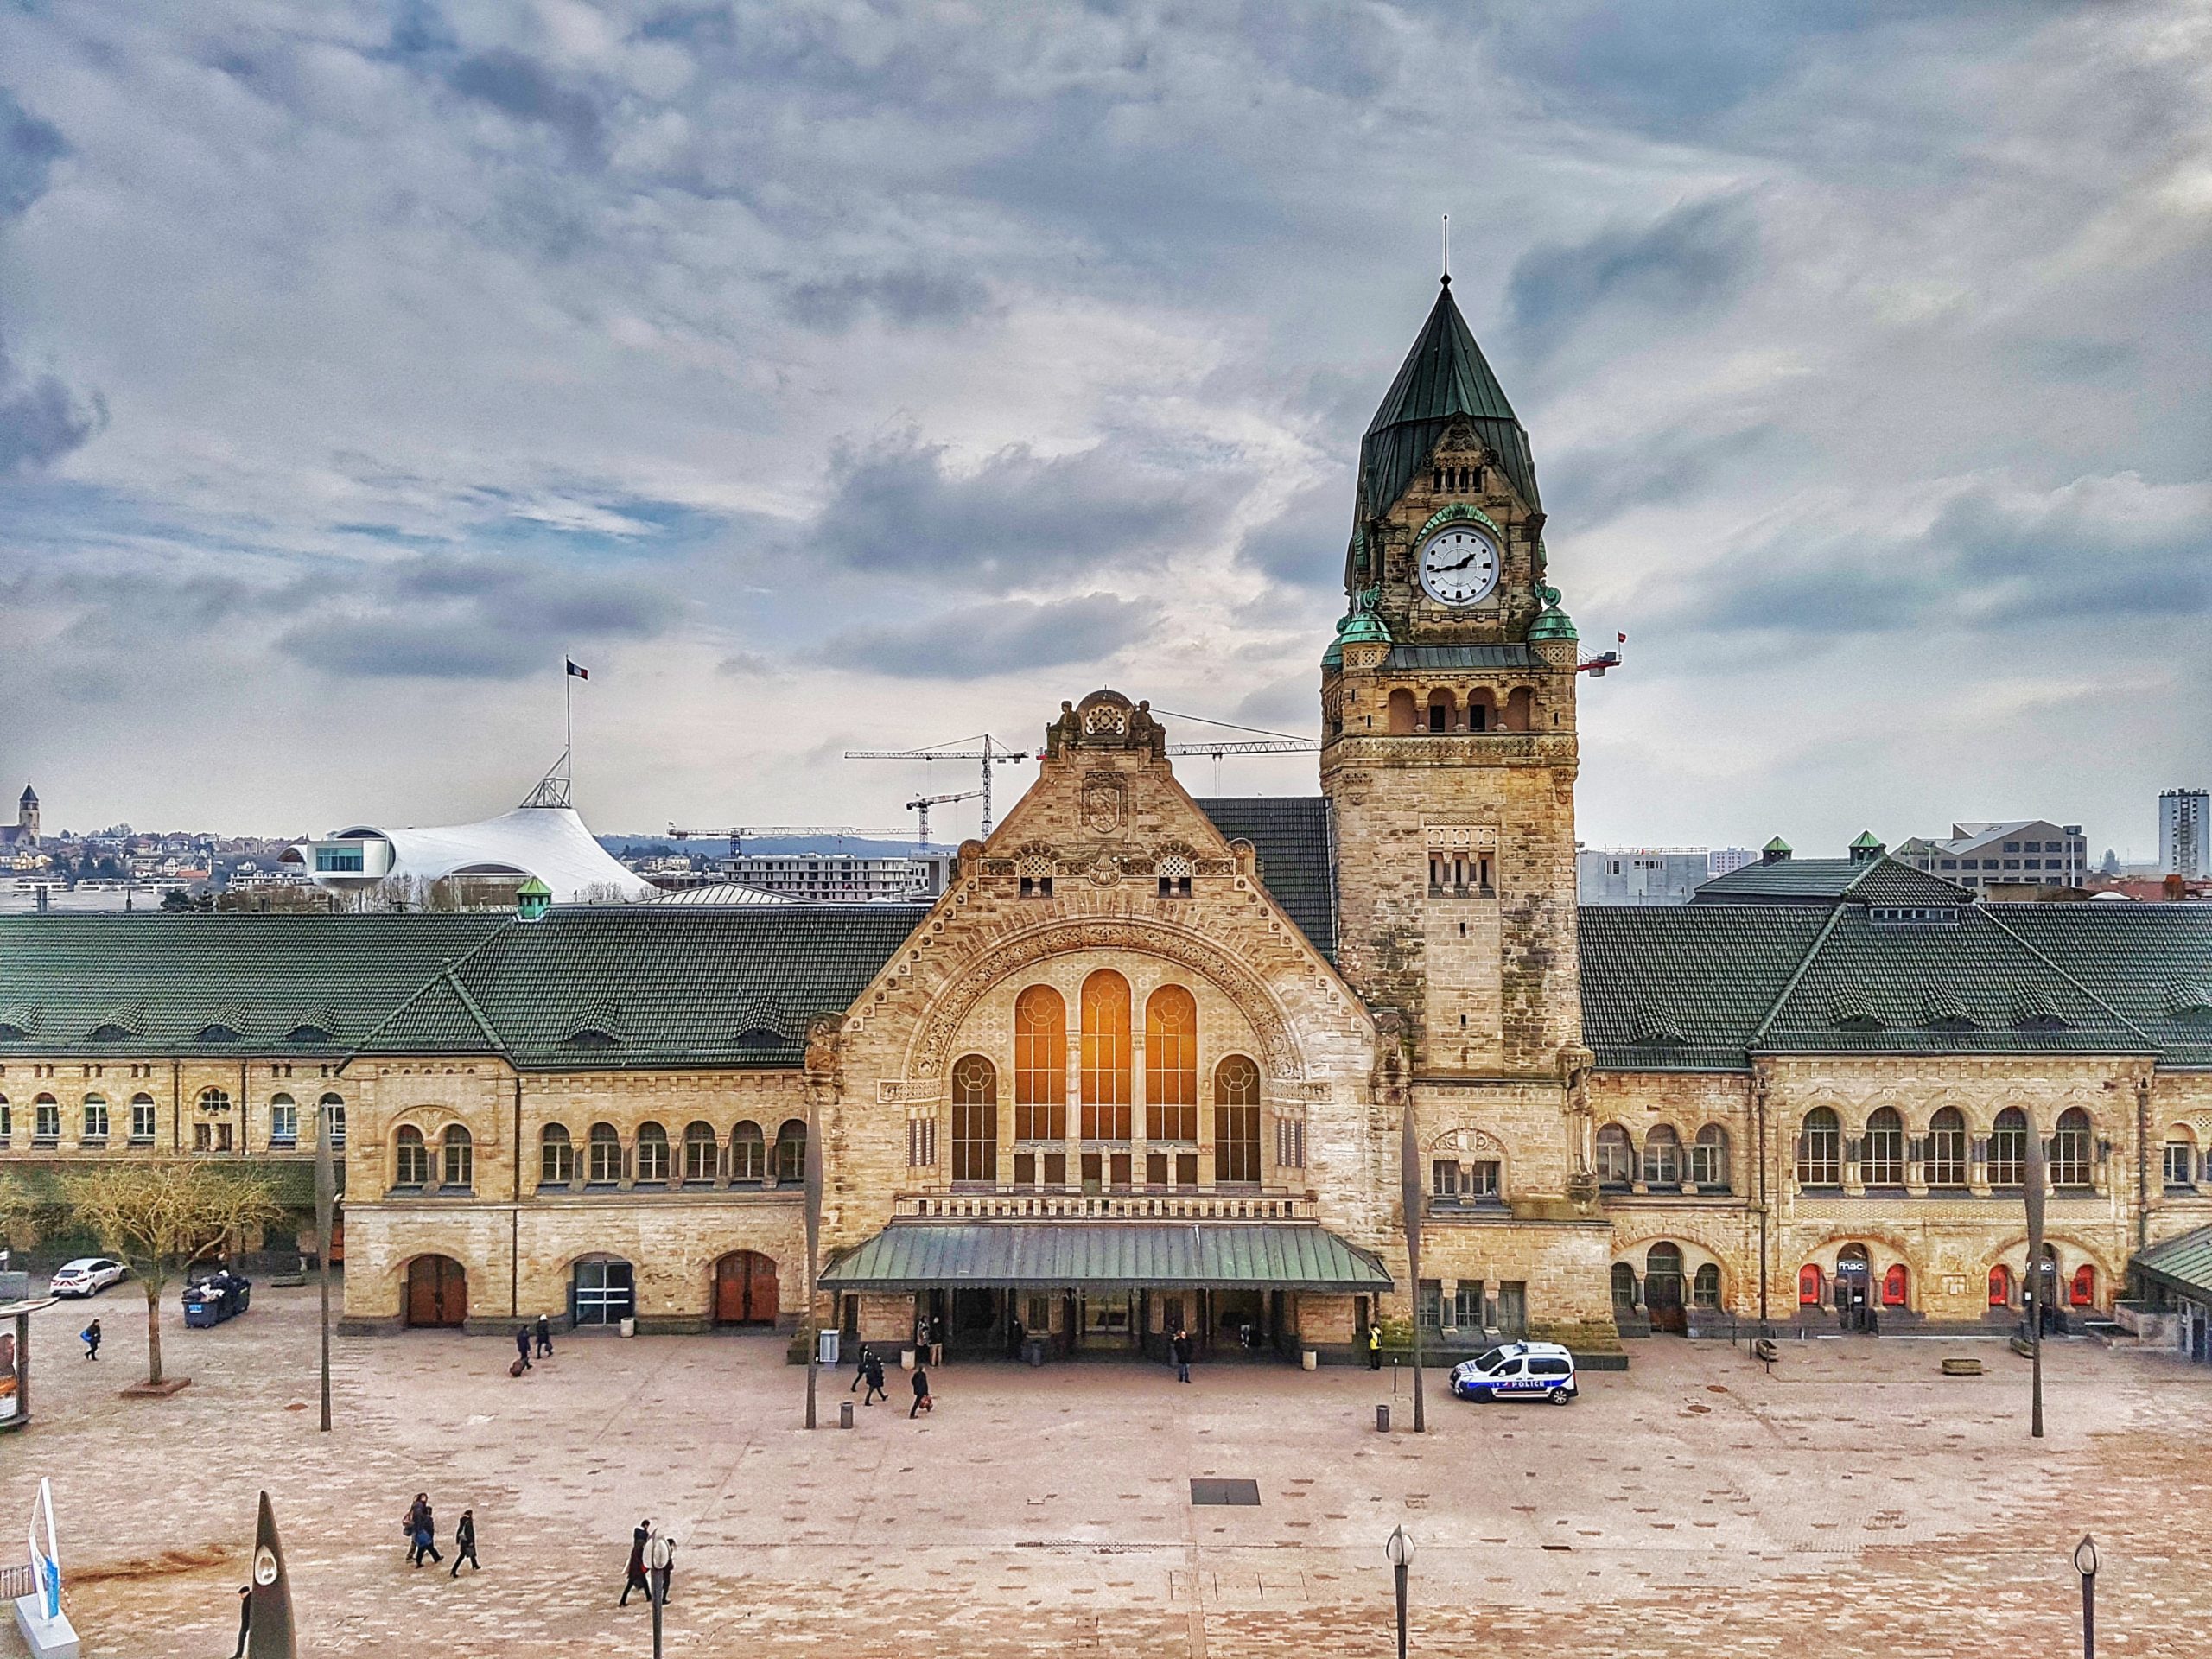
pixel 745 1289
pixel 437 1291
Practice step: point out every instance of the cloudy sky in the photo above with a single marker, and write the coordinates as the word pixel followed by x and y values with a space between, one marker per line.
pixel 825 374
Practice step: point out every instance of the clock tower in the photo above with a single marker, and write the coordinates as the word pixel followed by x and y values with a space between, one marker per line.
pixel 1448 750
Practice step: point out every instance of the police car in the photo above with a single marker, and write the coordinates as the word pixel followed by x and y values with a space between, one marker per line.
pixel 1536 1370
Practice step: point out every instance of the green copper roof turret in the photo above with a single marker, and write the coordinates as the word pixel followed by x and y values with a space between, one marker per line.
pixel 1778 845
pixel 1445 378
pixel 1554 624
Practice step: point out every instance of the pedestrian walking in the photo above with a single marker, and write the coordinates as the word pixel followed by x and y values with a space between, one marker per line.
pixel 875 1389
pixel 412 1526
pixel 860 1369
pixel 1181 1345
pixel 246 1619
pixel 668 1573
pixel 544 1337
pixel 1374 1347
pixel 464 1543
pixel 90 1336
pixel 522 1346
pixel 922 1401
pixel 425 1536
pixel 634 1577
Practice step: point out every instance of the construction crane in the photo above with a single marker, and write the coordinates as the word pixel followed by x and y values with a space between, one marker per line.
pixel 923 803
pixel 991 752
pixel 1263 740
pixel 761 831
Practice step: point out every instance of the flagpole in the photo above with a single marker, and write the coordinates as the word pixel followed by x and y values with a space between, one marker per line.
pixel 568 710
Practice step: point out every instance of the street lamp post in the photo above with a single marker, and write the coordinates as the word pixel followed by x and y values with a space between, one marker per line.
pixel 1399 1547
pixel 659 1556
pixel 2032 1190
pixel 326 1192
pixel 2085 1563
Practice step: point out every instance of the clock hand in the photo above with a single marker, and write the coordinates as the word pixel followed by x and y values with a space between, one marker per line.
pixel 1462 565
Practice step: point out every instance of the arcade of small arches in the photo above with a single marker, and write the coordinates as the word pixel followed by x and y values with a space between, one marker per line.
pixel 96 1122
pixel 608 1161
pixel 1664 1163
pixel 1664 1281
pixel 743 1288
pixel 1106 1101
pixel 1853 1277
pixel 1947 1157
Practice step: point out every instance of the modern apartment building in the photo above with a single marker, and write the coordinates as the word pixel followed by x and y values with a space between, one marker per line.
pixel 1980 856
pixel 2183 818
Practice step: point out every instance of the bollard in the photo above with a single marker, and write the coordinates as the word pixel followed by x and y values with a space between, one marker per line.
pixel 1382 1420
pixel 845 1414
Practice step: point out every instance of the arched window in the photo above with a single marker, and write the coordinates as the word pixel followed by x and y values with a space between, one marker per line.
pixel 460 1169
pixel 1236 1121
pixel 1520 708
pixel 702 1154
pixel 1482 711
pixel 1809 1285
pixel 283 1121
pixel 652 1152
pixel 2008 1149
pixel 1040 1065
pixel 1709 1160
pixel 1705 1289
pixel 411 1159
pixel 1663 1157
pixel 2000 1286
pixel 1663 1259
pixel 1881 1161
pixel 748 1152
pixel 143 1117
pixel 1946 1148
pixel 1819 1150
pixel 2181 1158
pixel 1105 1057
pixel 791 1152
pixel 2083 1292
pixel 604 1155
pixel 1616 1157
pixel 334 1119
pixel 1171 1066
pixel 1623 1285
pixel 96 1117
pixel 1401 710
pixel 46 1118
pixel 557 1156
pixel 2070 1149
pixel 7 1120
pixel 1893 1285
pixel 975 1120
pixel 1441 708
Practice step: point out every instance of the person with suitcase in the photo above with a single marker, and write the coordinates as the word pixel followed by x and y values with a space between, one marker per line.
pixel 922 1401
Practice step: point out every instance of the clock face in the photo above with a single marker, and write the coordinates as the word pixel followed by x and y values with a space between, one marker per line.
pixel 1458 566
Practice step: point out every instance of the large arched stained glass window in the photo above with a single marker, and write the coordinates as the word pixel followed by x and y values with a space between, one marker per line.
pixel 1040 1065
pixel 1106 1057
pixel 1171 1066
pixel 975 1120
pixel 1236 1121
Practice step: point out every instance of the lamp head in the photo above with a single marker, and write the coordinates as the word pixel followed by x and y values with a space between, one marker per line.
pixel 1399 1547
pixel 2085 1557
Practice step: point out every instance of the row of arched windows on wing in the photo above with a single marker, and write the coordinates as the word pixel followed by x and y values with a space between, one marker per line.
pixel 140 1120
pixel 747 1158
pixel 1946 1155
pixel 1664 1162
pixel 1444 711
pixel 1105 1083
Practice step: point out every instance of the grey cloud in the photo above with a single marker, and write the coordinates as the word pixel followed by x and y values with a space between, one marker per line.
pixel 1654 467
pixel 1304 544
pixel 42 419
pixel 908 297
pixel 1694 257
pixel 896 506
pixel 28 148
pixel 999 637
pixel 525 89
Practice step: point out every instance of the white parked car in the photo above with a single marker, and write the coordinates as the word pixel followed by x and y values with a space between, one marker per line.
pixel 87 1275
pixel 1529 1370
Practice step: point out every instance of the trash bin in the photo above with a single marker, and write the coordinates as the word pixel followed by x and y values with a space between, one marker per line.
pixel 629 1326
pixel 1033 1350
pixel 827 1342
pixel 200 1310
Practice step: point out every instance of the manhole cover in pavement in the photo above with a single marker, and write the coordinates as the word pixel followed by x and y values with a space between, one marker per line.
pixel 1242 1494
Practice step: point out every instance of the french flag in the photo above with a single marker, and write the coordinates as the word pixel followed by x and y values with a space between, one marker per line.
pixel 578 669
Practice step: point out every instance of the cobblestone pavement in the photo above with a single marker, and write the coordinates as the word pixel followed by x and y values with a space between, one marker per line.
pixel 1855 1503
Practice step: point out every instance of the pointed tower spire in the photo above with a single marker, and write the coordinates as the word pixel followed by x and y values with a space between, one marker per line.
pixel 1443 379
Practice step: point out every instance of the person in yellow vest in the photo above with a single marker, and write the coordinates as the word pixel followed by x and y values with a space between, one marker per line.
pixel 1374 1347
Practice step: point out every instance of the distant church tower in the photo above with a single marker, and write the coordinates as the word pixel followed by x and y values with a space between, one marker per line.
pixel 27 816
pixel 1448 739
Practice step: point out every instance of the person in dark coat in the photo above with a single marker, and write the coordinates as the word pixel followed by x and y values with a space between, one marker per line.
pixel 544 1337
pixel 426 1531
pixel 522 1345
pixel 922 1401
pixel 90 1336
pixel 246 1618
pixel 464 1543
pixel 1181 1345
pixel 874 1376
pixel 633 1578
pixel 860 1368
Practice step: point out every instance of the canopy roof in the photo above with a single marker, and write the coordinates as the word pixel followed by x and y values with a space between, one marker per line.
pixel 1045 1255
pixel 549 843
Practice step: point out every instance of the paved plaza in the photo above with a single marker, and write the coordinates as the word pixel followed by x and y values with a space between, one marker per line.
pixel 1853 1503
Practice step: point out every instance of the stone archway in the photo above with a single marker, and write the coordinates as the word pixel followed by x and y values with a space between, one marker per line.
pixel 745 1290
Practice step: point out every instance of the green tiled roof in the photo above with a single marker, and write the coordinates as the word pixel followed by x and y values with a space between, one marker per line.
pixel 1708 973
pixel 1443 378
pixel 1829 880
pixel 2182 1263
pixel 2131 957
pixel 1285 1255
pixel 1465 656
pixel 1291 834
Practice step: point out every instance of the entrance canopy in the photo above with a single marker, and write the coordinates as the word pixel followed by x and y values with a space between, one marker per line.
pixel 1021 1254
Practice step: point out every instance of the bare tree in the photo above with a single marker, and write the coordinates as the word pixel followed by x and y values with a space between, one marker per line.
pixel 159 1217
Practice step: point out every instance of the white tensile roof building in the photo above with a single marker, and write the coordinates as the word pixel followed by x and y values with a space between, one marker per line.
pixel 551 842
